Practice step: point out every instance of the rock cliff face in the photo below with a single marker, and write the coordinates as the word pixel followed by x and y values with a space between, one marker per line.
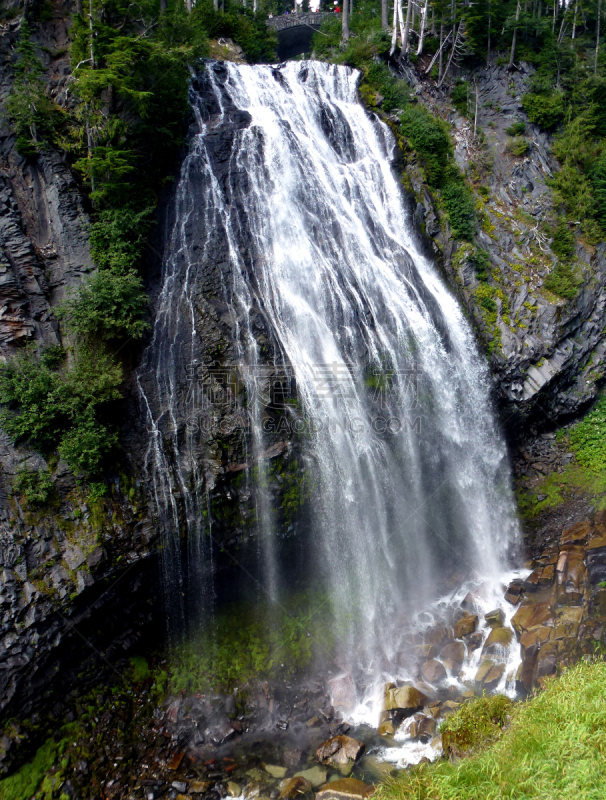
pixel 74 576
pixel 547 354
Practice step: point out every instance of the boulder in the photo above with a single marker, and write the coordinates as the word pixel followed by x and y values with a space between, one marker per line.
pixel 567 622
pixel 495 619
pixel 529 615
pixel 292 758
pixel 403 698
pixel 234 789
pixel 339 751
pixel 498 638
pixel 274 770
pixel 291 788
pixel 436 636
pixel 345 789
pixel 489 674
pixel 452 656
pixel 514 592
pixel 343 693
pixel 316 776
pixel 535 637
pixel 386 728
pixel 570 577
pixel 423 728
pixel 577 534
pixel 466 625
pixel 433 672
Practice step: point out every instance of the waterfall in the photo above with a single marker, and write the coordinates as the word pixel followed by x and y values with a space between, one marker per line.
pixel 289 196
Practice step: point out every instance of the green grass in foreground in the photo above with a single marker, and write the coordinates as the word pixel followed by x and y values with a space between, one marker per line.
pixel 554 747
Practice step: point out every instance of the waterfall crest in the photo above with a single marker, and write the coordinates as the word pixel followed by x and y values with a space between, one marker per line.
pixel 302 209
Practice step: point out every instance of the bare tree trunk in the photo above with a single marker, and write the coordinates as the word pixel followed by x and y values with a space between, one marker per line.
pixel 188 6
pixel 345 21
pixel 384 14
pixel 597 36
pixel 215 4
pixel 92 33
pixel 475 117
pixel 515 36
pixel 574 21
pixel 441 45
pixel 422 28
pixel 394 31
pixel 555 14
pixel 406 31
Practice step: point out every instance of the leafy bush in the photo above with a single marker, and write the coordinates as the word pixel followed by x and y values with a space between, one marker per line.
pixel 517 128
pixel 563 281
pixel 588 438
pixel 481 262
pixel 545 110
pixel 50 408
pixel 485 296
pixel 108 305
pixel 460 205
pixel 118 236
pixel 460 97
pixel 518 146
pixel 36 486
pixel 563 242
pixel 85 445
pixel 429 136
pixel 395 92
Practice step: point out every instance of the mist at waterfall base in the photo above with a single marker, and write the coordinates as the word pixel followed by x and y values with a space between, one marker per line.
pixel 288 192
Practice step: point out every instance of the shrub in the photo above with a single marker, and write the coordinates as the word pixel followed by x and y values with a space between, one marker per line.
pixel 518 146
pixel 563 243
pixel 460 97
pixel 563 281
pixel 36 486
pixel 545 110
pixel 35 397
pixel 518 128
pixel 395 92
pixel 50 408
pixel 85 445
pixel 460 205
pixel 118 236
pixel 429 136
pixel 588 438
pixel 108 305
pixel 481 262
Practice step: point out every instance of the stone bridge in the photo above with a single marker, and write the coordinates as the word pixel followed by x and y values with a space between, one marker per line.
pixel 295 31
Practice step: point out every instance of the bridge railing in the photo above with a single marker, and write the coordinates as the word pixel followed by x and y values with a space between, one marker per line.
pixel 313 19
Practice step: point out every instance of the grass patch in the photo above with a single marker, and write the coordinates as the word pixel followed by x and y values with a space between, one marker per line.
pixel 24 783
pixel 254 643
pixel 588 439
pixel 475 724
pixel 554 746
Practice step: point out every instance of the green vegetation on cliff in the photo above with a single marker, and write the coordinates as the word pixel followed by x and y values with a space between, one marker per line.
pixel 552 746
pixel 131 66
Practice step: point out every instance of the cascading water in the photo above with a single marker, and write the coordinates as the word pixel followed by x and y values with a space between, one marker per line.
pixel 301 208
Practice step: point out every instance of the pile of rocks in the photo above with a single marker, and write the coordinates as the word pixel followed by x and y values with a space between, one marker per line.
pixel 561 613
